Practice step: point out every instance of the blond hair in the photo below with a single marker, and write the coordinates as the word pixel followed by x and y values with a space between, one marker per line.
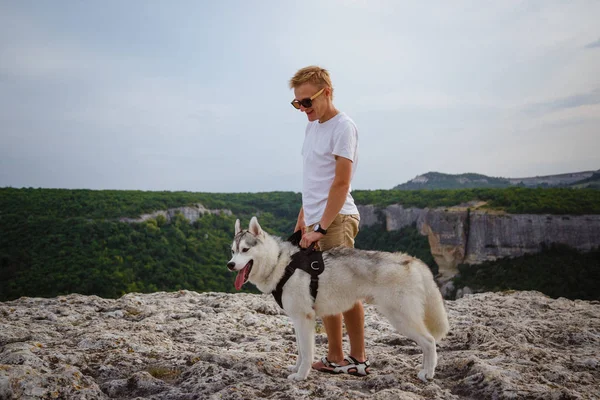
pixel 312 74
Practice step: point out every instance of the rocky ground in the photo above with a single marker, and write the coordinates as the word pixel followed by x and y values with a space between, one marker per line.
pixel 185 345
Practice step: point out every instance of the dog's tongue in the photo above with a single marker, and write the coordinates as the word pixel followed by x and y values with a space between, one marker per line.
pixel 239 279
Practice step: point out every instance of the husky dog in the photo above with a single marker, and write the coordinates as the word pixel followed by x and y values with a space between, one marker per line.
pixel 402 287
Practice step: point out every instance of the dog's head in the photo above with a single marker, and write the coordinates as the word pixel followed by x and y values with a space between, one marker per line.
pixel 243 250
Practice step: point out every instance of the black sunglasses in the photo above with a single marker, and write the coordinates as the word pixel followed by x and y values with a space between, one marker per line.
pixel 307 102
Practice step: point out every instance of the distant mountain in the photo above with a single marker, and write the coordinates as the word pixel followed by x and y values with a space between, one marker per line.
pixel 575 179
pixel 438 180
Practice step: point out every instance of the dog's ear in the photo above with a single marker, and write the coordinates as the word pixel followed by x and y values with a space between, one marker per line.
pixel 255 228
pixel 238 229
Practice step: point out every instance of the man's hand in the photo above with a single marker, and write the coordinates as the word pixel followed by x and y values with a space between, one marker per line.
pixel 310 238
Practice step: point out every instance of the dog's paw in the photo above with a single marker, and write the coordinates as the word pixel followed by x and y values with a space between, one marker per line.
pixel 292 368
pixel 296 377
pixel 425 376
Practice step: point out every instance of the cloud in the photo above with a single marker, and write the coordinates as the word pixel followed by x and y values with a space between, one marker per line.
pixel 593 44
pixel 568 102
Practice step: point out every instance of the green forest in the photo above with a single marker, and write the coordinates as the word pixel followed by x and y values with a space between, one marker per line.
pixel 58 241
pixel 557 271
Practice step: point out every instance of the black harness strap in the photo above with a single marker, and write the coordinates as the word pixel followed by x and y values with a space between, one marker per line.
pixel 309 261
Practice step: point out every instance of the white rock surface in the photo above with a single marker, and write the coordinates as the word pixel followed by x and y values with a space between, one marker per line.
pixel 185 345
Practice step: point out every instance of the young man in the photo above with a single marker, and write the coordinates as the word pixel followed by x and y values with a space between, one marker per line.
pixel 328 214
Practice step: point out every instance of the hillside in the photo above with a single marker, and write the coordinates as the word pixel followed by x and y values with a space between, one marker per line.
pixel 438 180
pixel 185 345
pixel 592 182
pixel 108 243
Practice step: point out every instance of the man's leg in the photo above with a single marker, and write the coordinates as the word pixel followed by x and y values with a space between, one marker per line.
pixel 333 329
pixel 355 326
pixel 342 233
pixel 355 317
pixel 355 322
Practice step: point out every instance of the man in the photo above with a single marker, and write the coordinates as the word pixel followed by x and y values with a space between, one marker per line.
pixel 328 214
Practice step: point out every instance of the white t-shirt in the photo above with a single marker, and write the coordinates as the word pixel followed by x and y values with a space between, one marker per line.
pixel 322 142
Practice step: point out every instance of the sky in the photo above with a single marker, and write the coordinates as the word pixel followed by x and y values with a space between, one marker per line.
pixel 194 96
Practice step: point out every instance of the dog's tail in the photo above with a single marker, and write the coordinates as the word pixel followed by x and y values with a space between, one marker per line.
pixel 436 318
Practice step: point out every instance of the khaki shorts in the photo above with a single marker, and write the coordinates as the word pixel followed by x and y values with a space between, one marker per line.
pixel 341 232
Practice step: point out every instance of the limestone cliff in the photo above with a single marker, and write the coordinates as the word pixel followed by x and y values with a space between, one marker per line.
pixel 464 234
pixel 185 345
pixel 191 213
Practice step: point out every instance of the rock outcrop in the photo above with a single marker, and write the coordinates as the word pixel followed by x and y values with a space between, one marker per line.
pixel 185 345
pixel 190 213
pixel 464 234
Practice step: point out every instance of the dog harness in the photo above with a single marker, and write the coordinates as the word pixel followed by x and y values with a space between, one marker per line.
pixel 309 261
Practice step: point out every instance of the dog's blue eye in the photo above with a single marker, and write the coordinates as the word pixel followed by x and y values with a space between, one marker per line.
pixel 245 250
